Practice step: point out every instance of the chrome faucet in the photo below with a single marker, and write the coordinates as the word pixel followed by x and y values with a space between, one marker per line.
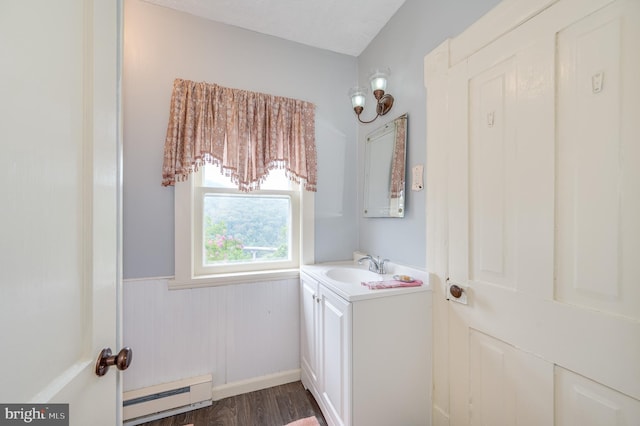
pixel 375 265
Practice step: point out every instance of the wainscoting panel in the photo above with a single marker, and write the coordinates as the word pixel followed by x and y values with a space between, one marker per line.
pixel 237 333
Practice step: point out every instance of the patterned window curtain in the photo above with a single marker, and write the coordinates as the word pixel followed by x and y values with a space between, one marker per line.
pixel 245 133
pixel 398 159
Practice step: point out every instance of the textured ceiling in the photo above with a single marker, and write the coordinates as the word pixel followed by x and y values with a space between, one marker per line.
pixel 343 26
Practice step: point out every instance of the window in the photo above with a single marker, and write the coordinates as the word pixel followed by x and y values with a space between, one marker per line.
pixel 245 231
pixel 224 235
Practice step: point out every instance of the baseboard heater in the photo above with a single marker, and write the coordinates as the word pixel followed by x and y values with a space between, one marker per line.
pixel 167 399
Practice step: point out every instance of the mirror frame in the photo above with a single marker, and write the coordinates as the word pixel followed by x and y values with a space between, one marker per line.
pixel 385 158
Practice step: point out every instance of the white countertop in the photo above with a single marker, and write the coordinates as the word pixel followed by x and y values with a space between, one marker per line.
pixel 354 291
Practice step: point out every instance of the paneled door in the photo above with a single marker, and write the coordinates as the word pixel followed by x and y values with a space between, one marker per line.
pixel 543 218
pixel 59 222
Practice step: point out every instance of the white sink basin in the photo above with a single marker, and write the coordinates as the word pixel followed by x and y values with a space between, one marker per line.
pixel 352 275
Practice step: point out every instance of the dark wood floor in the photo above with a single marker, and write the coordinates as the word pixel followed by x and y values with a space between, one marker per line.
pixel 275 406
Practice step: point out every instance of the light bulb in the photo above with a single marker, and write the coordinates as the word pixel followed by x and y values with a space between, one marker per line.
pixel 358 97
pixel 378 80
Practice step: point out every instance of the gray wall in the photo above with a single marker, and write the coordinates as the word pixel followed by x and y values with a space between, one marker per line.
pixel 417 28
pixel 161 44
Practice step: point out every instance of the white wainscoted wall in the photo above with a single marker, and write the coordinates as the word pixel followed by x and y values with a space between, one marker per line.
pixel 245 335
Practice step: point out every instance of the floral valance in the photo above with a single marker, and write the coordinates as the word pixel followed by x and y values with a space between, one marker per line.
pixel 245 133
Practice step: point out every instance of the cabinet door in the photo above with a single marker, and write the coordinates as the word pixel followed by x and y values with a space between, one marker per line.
pixel 335 347
pixel 309 313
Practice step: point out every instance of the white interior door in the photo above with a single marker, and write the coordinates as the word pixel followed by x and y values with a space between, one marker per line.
pixel 543 221
pixel 59 167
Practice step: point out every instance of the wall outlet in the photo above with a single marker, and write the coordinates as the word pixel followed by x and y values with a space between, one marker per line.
pixel 417 178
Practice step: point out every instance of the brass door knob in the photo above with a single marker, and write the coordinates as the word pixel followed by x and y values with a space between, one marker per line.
pixel 105 360
pixel 456 291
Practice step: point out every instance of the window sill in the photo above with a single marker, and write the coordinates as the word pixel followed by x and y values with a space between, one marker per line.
pixel 232 279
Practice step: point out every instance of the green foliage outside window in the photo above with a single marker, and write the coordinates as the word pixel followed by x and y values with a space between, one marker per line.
pixel 220 246
pixel 245 229
pixel 282 252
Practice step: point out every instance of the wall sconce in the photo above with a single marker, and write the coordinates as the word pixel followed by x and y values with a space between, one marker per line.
pixel 378 80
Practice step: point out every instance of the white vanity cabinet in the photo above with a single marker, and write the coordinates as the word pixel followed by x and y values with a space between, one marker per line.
pixel 325 348
pixel 309 334
pixel 366 361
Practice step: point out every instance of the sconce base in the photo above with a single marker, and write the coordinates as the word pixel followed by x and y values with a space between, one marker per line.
pixel 384 104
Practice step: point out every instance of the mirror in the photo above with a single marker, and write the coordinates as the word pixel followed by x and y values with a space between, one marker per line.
pixel 384 170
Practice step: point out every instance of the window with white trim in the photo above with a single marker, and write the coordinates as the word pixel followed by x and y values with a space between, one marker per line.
pixel 224 235
pixel 239 231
